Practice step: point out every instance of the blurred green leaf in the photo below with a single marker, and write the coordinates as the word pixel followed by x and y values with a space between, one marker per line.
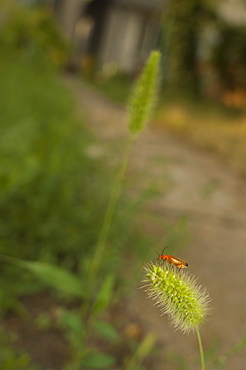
pixel 142 351
pixel 104 296
pixel 107 331
pixel 238 346
pixel 220 363
pixel 71 320
pixel 56 277
pixel 99 360
pixel 74 329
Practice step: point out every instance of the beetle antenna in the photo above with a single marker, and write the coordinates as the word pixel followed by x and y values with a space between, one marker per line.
pixel 152 249
pixel 164 249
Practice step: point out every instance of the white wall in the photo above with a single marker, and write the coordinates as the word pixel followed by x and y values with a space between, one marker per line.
pixel 121 38
pixel 69 14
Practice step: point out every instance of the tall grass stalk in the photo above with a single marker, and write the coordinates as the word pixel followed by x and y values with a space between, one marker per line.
pixel 140 108
pixel 98 255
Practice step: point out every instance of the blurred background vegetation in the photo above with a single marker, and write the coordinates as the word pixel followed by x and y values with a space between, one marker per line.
pixel 203 74
pixel 54 193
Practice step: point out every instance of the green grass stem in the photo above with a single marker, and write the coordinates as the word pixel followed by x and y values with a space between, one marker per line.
pixel 97 258
pixel 140 108
pixel 200 349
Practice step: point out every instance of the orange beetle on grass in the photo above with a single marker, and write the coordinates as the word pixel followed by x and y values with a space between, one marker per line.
pixel 171 259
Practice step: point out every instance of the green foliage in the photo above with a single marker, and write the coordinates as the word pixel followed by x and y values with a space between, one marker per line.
pixel 106 331
pixel 98 360
pixel 104 295
pixel 76 332
pixel 142 351
pixel 73 328
pixel 51 199
pixel 46 178
pixel 55 277
pixel 51 205
pixel 27 29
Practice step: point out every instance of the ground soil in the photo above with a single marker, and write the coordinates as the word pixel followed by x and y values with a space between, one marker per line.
pixel 192 183
pixel 46 348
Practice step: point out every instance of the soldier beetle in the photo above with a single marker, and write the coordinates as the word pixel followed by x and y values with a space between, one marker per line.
pixel 171 259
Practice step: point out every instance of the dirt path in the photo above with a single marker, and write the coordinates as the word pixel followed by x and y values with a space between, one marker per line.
pixel 213 198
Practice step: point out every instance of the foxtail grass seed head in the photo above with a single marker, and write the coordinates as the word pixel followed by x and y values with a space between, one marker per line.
pixel 178 294
pixel 144 94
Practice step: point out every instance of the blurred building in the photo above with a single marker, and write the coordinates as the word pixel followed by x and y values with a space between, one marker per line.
pixel 119 31
pixel 118 35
